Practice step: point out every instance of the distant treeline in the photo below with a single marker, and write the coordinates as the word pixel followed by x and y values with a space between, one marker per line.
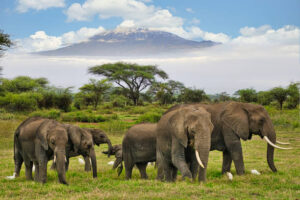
pixel 126 84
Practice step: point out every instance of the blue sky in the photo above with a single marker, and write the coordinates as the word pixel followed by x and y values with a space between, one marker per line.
pixel 260 39
pixel 212 16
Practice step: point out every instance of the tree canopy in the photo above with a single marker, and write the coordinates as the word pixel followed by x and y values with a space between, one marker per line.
pixel 94 90
pixel 4 42
pixel 130 76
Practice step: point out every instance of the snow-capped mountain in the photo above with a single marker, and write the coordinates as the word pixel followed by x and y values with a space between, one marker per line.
pixel 130 42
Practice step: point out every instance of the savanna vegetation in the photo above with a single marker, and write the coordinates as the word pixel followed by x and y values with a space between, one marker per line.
pixel 128 94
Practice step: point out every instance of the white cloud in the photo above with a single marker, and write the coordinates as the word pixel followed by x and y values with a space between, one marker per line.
pixel 136 14
pixel 25 5
pixel 189 10
pixel 265 35
pixel 40 41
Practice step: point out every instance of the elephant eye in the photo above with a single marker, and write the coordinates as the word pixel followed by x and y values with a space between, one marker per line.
pixel 261 121
pixel 52 141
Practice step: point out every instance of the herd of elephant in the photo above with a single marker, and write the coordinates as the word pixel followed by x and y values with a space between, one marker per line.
pixel 181 140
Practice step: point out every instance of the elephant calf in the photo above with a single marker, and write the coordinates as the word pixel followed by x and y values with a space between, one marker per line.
pixel 117 151
pixel 98 137
pixel 139 148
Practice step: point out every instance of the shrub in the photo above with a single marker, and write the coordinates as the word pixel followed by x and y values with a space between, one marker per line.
pixel 26 101
pixel 151 117
pixel 51 114
pixel 82 117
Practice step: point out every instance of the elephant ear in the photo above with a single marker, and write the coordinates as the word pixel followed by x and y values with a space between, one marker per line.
pixel 42 133
pixel 75 137
pixel 236 117
pixel 177 122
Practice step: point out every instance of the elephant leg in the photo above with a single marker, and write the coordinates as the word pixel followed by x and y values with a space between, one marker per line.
pixel 194 166
pixel 53 166
pixel 142 168
pixel 174 173
pixel 18 163
pixel 178 159
pixel 87 161
pixel 28 169
pixel 36 173
pixel 234 146
pixel 227 160
pixel 42 163
pixel 128 170
pixel 43 171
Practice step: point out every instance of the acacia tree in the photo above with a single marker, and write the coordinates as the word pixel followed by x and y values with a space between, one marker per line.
pixel 247 95
pixel 4 43
pixel 95 90
pixel 280 95
pixel 166 93
pixel 132 77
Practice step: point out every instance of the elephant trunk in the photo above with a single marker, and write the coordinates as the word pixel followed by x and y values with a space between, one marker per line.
pixel 110 148
pixel 60 160
pixel 94 162
pixel 202 148
pixel 117 162
pixel 269 132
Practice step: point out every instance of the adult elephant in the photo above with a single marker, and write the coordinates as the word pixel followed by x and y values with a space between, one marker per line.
pixel 139 148
pixel 234 121
pixel 36 141
pixel 98 137
pixel 183 135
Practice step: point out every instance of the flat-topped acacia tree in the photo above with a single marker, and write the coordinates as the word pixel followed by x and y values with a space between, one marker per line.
pixel 130 76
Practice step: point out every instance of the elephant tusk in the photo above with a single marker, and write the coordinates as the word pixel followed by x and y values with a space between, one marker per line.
pixel 198 159
pixel 54 159
pixel 65 159
pixel 282 142
pixel 273 145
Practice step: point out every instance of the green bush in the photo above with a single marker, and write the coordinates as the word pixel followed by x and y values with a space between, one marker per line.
pixel 82 117
pixel 6 116
pixel 51 114
pixel 25 101
pixel 151 117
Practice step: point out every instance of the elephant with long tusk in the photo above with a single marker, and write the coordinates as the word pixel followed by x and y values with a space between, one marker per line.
pixel 183 136
pixel 234 121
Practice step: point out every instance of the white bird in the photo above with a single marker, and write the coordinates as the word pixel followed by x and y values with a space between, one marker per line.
pixel 11 177
pixel 81 161
pixel 111 162
pixel 254 171
pixel 229 175
pixel 33 168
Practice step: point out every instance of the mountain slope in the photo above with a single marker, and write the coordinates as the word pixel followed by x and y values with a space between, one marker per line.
pixel 137 42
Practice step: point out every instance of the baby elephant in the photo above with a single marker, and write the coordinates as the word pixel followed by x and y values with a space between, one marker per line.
pixel 97 137
pixel 117 151
pixel 139 148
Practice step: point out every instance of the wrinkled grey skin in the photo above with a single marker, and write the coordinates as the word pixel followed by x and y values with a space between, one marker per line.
pixel 139 148
pixel 179 134
pixel 80 143
pixel 99 137
pixel 117 151
pixel 234 121
pixel 36 141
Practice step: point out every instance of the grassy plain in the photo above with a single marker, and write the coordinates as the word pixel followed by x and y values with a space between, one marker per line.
pixel 285 184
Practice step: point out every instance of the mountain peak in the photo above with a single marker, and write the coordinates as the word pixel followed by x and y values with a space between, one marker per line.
pixel 131 42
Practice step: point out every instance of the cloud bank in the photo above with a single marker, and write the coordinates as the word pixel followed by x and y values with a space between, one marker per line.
pixel 25 5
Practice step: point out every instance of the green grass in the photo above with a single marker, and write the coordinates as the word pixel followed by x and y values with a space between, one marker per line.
pixel 285 184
